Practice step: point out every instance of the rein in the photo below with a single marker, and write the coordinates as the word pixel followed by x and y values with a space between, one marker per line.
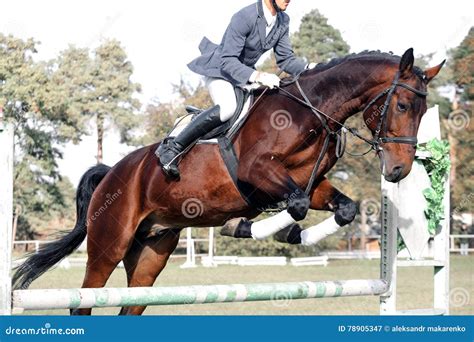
pixel 340 134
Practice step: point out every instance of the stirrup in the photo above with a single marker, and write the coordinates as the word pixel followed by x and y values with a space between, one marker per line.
pixel 170 168
pixel 193 110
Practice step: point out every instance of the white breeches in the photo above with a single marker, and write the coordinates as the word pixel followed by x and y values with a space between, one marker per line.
pixel 222 94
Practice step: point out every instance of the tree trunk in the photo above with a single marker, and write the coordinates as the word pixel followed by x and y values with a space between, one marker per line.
pixel 100 137
pixel 15 222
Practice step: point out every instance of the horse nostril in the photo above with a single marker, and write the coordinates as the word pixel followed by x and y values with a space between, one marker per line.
pixel 395 175
pixel 397 171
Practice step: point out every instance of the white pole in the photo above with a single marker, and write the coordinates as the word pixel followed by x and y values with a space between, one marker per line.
pixel 441 253
pixel 193 253
pixel 6 216
pixel 189 238
pixel 190 257
pixel 210 262
pixel 211 243
pixel 388 246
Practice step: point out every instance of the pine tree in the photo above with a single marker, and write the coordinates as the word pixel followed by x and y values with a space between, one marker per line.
pixel 317 41
pixel 111 93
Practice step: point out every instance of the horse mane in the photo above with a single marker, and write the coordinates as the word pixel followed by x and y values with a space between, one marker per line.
pixel 374 54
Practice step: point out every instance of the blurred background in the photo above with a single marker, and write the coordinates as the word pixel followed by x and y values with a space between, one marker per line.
pixel 87 82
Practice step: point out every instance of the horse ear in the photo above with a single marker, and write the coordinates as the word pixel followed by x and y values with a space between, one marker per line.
pixel 407 62
pixel 430 73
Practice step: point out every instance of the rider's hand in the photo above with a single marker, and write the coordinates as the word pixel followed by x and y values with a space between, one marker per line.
pixel 268 80
pixel 310 66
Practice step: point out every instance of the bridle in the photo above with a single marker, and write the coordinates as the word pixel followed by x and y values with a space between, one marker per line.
pixel 378 138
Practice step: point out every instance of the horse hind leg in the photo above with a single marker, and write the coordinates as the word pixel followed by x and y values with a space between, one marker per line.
pixel 107 245
pixel 146 259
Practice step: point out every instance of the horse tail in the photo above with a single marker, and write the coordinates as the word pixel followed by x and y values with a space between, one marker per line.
pixel 52 253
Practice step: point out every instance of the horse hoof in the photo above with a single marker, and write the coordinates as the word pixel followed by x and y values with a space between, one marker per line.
pixel 237 228
pixel 290 234
pixel 345 213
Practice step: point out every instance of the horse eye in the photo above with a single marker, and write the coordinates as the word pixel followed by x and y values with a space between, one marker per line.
pixel 402 107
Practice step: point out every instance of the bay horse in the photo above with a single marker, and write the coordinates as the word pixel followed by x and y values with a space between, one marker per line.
pixel 133 213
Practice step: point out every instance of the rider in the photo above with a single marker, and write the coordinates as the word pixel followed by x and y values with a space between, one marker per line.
pixel 252 31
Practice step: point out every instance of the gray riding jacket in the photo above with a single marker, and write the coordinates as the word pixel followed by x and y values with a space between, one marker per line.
pixel 243 43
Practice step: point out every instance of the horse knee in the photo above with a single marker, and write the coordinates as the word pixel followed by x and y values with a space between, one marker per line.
pixel 298 206
pixel 345 212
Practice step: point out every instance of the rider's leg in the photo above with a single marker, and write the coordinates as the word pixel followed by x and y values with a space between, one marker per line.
pixel 222 93
pixel 169 150
pixel 205 122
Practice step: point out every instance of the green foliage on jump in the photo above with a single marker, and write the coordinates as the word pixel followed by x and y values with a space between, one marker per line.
pixel 437 166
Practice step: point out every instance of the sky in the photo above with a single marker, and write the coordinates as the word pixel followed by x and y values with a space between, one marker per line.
pixel 161 37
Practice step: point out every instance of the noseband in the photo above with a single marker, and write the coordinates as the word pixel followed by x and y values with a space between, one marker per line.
pixel 382 124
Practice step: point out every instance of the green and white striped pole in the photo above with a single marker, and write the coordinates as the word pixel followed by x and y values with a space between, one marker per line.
pixel 197 294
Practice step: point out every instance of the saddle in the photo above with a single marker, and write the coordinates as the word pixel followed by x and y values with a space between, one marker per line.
pixel 222 137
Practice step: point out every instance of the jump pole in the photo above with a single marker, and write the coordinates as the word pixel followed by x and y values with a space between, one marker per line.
pixel 197 294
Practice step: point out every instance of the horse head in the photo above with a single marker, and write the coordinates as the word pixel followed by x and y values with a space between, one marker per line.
pixel 394 115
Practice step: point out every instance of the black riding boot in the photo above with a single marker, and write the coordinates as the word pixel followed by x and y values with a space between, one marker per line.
pixel 169 149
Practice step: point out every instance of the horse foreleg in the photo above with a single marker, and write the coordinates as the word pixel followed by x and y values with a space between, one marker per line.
pixel 270 176
pixel 323 197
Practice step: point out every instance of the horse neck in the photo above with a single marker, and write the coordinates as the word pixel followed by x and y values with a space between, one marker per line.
pixel 344 90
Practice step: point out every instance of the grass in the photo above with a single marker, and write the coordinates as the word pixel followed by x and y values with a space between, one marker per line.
pixel 415 288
